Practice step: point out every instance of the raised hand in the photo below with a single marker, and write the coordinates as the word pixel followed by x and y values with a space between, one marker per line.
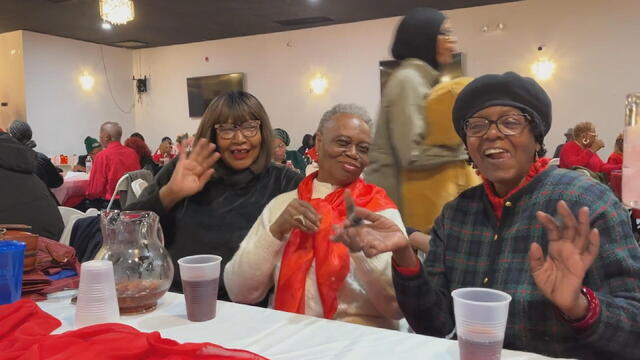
pixel 376 236
pixel 192 172
pixel 297 215
pixel 573 246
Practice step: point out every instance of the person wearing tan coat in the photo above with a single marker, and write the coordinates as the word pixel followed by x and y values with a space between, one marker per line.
pixel 423 43
pixel 425 192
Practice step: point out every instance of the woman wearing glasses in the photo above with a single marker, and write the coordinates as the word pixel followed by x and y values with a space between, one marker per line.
pixel 208 199
pixel 558 242
pixel 420 166
pixel 290 245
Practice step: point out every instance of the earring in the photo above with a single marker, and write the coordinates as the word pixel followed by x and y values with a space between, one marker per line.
pixel 585 141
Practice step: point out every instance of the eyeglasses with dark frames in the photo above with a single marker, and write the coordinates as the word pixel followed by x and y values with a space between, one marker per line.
pixel 509 124
pixel 248 129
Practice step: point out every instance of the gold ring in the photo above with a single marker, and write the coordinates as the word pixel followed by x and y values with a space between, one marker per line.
pixel 300 219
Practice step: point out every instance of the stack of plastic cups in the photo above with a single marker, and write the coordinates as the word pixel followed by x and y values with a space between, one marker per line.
pixel 11 266
pixel 481 318
pixel 97 300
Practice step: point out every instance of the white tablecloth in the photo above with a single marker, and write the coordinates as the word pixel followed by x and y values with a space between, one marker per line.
pixel 74 185
pixel 279 335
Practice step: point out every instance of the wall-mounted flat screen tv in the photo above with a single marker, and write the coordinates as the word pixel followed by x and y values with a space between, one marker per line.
pixel 201 90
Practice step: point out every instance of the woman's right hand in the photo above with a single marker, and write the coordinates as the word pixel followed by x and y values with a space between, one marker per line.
pixel 597 145
pixel 192 172
pixel 297 215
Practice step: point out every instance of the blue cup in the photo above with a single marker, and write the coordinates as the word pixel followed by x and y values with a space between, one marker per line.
pixel 11 267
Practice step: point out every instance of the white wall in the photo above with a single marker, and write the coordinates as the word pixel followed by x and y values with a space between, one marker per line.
pixel 60 113
pixel 11 78
pixel 592 42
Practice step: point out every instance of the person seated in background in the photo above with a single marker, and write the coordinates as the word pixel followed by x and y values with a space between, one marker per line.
pixel 144 154
pixel 574 283
pixel 616 157
pixel 182 142
pixel 282 156
pixel 109 165
pixel 24 198
pixel 208 199
pixel 164 153
pixel 582 151
pixel 49 174
pixel 290 246
pixel 307 143
pixel 93 147
pixel 568 136
pixel 137 135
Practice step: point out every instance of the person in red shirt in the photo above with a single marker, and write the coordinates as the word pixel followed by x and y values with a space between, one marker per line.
pixel 616 156
pixel 582 151
pixel 110 165
pixel 164 153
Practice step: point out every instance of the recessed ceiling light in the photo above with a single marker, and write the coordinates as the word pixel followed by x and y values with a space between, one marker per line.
pixel 105 25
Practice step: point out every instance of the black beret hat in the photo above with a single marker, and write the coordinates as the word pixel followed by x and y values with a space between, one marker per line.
pixel 508 89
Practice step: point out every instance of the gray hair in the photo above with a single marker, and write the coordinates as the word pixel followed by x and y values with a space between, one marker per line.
pixel 351 109
pixel 113 129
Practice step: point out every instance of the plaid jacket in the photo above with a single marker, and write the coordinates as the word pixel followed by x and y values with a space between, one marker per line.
pixel 470 249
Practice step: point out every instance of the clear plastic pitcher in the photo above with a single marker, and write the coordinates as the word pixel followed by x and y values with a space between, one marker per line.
pixel 133 242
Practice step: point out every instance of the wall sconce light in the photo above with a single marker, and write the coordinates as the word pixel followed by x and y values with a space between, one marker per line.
pixel 543 68
pixel 86 81
pixel 319 84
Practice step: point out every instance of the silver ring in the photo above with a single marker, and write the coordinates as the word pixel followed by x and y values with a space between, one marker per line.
pixel 300 219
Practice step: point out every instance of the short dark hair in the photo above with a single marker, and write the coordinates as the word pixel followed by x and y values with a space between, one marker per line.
pixel 237 107
pixel 137 135
pixel 166 138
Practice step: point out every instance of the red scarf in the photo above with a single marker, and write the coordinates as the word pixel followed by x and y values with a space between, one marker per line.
pixel 332 258
pixel 312 154
pixel 497 203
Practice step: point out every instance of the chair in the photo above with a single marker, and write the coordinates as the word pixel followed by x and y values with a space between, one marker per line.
pixel 67 213
pixel 130 186
pixel 65 238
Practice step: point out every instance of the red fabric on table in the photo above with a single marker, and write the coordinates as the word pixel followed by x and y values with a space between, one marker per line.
pixel 26 334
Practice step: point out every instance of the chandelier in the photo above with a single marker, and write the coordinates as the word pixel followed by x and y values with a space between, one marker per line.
pixel 116 12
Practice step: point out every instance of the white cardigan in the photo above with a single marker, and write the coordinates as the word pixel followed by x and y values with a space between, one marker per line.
pixel 366 297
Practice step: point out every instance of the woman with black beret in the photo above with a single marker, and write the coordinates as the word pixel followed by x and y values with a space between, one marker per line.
pixel 558 242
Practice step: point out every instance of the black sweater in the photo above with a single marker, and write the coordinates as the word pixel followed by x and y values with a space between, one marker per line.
pixel 47 172
pixel 216 220
pixel 24 198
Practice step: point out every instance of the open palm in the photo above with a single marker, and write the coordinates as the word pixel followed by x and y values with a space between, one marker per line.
pixel 193 170
pixel 573 246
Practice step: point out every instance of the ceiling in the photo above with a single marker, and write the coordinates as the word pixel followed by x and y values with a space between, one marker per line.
pixel 167 22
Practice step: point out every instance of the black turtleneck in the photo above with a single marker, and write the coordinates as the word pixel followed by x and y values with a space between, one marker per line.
pixel 215 220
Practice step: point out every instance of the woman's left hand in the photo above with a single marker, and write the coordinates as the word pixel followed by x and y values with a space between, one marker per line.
pixel 573 246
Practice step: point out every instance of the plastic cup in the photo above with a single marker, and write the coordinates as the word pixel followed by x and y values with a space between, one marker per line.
pixel 11 265
pixel 97 300
pixel 481 318
pixel 200 278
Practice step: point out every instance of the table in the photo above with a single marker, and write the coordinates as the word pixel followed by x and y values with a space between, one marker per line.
pixel 279 335
pixel 72 190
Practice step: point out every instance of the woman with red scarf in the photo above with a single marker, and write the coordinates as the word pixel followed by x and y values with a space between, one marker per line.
pixel 290 246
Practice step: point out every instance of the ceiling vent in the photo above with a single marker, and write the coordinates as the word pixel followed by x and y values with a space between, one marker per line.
pixel 305 21
pixel 131 44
